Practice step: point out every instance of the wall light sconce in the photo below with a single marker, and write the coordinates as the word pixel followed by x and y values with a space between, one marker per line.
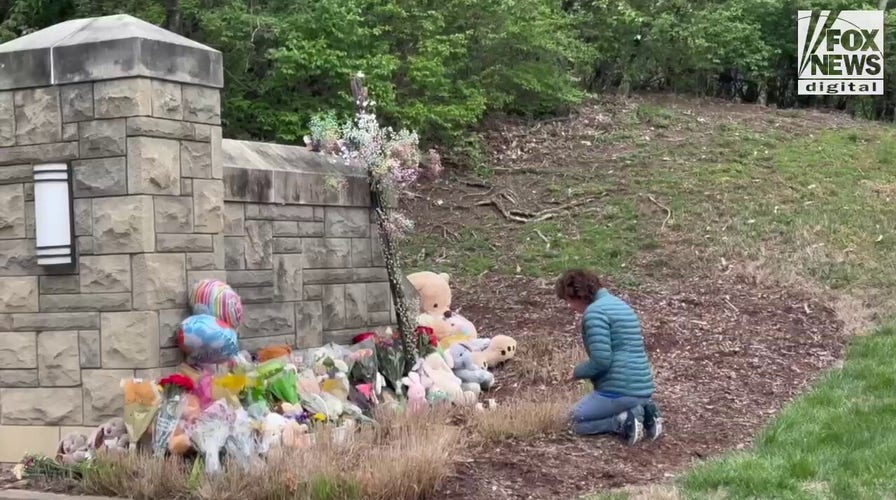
pixel 53 221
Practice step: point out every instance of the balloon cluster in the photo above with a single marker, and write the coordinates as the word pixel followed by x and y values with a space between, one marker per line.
pixel 209 335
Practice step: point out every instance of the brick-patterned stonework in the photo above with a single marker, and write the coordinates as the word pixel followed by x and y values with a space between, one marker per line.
pixel 304 258
pixel 140 125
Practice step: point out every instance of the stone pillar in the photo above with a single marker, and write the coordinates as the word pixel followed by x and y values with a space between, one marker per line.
pixel 135 110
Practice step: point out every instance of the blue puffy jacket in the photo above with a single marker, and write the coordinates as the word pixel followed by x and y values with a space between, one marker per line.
pixel 617 362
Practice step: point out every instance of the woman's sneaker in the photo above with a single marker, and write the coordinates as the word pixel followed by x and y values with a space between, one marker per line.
pixel 632 428
pixel 653 421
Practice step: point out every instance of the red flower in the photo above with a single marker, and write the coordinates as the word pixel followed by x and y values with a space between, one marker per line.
pixel 182 381
pixel 430 333
pixel 361 337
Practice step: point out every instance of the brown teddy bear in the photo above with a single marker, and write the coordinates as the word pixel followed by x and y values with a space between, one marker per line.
pixel 433 291
pixel 180 443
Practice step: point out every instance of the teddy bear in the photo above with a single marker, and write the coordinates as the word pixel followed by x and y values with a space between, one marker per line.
pixel 433 291
pixel 295 435
pixel 494 351
pixel 112 436
pixel 467 370
pixel 180 443
pixel 73 449
pixel 273 352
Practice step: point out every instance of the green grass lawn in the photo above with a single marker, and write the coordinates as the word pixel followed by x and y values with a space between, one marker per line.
pixel 837 441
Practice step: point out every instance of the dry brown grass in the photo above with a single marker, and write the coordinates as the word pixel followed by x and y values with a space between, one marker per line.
pixel 542 361
pixel 527 415
pixel 406 457
pixel 852 310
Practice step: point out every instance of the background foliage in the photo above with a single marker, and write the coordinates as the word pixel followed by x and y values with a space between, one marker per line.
pixel 440 67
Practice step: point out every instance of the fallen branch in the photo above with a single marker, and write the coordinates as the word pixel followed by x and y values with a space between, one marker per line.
pixel 525 217
pixel 664 207
pixel 476 183
pixel 736 310
pixel 447 234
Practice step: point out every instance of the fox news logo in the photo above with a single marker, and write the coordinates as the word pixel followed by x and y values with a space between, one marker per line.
pixel 841 52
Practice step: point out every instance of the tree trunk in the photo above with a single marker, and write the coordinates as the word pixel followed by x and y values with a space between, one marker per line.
pixel 391 258
pixel 173 16
pixel 390 252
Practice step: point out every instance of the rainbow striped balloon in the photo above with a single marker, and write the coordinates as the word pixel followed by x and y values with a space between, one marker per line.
pixel 216 298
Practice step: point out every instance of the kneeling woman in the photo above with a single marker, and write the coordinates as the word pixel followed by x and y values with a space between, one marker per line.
pixel 617 363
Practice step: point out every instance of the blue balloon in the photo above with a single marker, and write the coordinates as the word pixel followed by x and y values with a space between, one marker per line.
pixel 207 340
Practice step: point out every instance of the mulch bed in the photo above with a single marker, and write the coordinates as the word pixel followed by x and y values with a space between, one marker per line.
pixel 727 356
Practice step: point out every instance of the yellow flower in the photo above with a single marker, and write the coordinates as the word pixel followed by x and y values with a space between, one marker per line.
pixel 231 382
pixel 319 417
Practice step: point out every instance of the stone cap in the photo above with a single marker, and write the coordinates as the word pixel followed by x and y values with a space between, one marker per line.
pixel 270 156
pixel 260 172
pixel 104 48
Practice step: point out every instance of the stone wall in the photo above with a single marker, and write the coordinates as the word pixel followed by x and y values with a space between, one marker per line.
pixel 304 258
pixel 135 111
pixel 148 217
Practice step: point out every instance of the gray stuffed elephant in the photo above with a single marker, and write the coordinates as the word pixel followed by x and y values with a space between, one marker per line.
pixel 467 370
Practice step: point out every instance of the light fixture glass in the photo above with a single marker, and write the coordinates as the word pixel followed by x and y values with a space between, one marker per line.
pixel 53 223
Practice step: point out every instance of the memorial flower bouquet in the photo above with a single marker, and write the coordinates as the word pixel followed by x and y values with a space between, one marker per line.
pixel 390 359
pixel 427 342
pixel 210 433
pixel 141 403
pixel 174 387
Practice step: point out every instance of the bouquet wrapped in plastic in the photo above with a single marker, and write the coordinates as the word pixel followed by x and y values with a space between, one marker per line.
pixel 282 387
pixel 203 388
pixel 229 387
pixel 363 361
pixel 241 445
pixel 390 360
pixel 174 387
pixel 210 432
pixel 141 402
pixel 207 340
pixel 427 342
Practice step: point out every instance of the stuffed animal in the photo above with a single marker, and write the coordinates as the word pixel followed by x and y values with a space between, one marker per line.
pixel 295 435
pixel 416 392
pixel 438 368
pixel 111 436
pixel 180 443
pixel 460 329
pixel 460 325
pixel 499 349
pixel 272 432
pixel 448 329
pixel 467 370
pixel 273 352
pixel 433 291
pixel 73 449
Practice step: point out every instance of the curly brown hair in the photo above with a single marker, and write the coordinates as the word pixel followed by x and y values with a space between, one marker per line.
pixel 578 284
